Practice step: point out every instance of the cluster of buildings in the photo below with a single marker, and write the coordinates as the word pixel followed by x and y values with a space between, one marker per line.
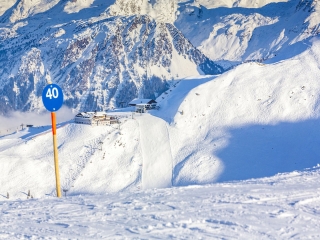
pixel 101 118
pixel 95 118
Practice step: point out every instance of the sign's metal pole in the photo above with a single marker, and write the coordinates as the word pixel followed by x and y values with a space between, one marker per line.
pixel 55 153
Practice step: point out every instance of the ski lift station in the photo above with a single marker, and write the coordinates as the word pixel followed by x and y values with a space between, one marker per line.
pixel 95 118
pixel 142 105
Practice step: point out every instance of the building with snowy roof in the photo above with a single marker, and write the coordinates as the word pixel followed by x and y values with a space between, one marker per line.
pixel 142 105
pixel 95 118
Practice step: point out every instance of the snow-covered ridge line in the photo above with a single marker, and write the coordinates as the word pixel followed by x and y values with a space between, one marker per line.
pixel 233 3
pixel 161 11
pixel 272 31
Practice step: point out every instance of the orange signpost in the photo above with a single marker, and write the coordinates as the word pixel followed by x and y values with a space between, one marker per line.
pixel 55 153
pixel 52 98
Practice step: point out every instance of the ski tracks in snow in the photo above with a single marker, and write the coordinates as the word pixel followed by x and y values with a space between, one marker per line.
pixel 281 207
pixel 156 152
pixel 85 155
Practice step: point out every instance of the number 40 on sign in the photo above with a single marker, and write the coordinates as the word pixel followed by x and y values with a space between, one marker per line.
pixel 52 97
pixel 54 93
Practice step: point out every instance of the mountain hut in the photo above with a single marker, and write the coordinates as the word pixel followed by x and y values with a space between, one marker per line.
pixel 142 105
pixel 95 118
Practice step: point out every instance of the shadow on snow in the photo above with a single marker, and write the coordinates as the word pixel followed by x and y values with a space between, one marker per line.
pixel 257 151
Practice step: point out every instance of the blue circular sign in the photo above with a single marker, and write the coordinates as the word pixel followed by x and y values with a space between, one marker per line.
pixel 52 97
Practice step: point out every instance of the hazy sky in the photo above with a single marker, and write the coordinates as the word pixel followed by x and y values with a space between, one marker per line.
pixel 13 121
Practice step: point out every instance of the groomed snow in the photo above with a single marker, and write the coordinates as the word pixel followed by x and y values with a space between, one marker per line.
pixel 285 206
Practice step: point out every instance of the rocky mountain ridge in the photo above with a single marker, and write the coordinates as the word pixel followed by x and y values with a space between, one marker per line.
pixel 100 62
pixel 106 53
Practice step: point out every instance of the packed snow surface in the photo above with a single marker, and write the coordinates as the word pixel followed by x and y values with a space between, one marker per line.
pixel 285 206
pixel 251 135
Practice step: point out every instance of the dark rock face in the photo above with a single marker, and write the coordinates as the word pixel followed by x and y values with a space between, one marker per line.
pixel 98 64
pixel 184 47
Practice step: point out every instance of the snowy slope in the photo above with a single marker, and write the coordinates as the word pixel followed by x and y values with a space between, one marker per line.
pixel 250 136
pixel 156 153
pixel 77 6
pixel 254 121
pixel 233 3
pixel 285 206
pixel 5 5
pixel 163 11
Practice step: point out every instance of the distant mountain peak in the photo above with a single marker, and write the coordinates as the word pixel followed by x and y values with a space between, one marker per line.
pixel 162 11
pixel 99 63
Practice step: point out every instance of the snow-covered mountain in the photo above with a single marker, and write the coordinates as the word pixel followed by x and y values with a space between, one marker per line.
pixel 163 11
pixel 238 31
pixel 261 121
pixel 97 50
pixel 249 136
pixel 100 60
